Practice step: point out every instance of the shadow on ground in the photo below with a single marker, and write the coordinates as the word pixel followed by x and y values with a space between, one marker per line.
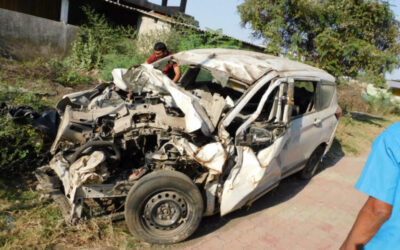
pixel 367 118
pixel 287 189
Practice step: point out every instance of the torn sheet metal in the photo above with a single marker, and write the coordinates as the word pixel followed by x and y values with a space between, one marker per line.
pixel 211 188
pixel 246 66
pixel 60 166
pixel 145 78
pixel 87 169
pixel 246 180
pixel 270 153
pixel 212 156
pixel 107 98
pixel 117 75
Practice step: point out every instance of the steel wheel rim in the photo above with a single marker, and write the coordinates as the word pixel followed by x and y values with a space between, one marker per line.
pixel 165 211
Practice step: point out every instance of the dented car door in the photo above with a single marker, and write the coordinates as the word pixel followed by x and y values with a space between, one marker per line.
pixel 258 142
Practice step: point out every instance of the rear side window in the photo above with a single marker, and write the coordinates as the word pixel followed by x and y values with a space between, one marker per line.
pixel 325 95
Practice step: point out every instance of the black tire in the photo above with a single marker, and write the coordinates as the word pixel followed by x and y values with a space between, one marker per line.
pixel 163 207
pixel 312 163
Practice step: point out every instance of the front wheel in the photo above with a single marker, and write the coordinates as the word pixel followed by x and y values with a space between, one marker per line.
pixel 312 163
pixel 163 207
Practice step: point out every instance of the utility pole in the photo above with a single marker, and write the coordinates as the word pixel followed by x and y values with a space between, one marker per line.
pixel 183 6
pixel 64 11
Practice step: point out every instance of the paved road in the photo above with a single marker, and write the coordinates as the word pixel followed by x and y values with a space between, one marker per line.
pixel 296 215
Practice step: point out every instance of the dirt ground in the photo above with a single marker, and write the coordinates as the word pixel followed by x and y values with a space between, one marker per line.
pixel 296 215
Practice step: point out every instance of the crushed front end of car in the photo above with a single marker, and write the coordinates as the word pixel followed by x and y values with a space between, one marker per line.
pixel 112 135
pixel 175 153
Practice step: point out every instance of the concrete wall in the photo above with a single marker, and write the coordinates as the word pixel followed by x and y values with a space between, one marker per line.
pixel 24 36
pixel 149 25
pixel 150 31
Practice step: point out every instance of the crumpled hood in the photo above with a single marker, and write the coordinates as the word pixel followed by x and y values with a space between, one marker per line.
pixel 147 79
pixel 201 109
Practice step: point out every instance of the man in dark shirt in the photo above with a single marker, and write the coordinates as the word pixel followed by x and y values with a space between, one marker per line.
pixel 172 70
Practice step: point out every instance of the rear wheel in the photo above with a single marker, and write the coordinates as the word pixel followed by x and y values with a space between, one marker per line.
pixel 312 163
pixel 163 207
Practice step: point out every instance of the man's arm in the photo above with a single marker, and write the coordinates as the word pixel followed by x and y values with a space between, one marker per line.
pixel 150 59
pixel 370 218
pixel 177 73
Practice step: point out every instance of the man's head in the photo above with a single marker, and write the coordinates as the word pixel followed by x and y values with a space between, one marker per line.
pixel 160 50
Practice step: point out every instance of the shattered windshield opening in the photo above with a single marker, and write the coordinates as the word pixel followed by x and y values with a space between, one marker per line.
pixel 199 76
pixel 196 78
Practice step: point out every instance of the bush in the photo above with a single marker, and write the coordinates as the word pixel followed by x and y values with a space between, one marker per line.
pixel 96 39
pixel 382 106
pixel 72 79
pixel 350 98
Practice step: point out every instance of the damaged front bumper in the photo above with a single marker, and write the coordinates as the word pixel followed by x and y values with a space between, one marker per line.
pixel 78 181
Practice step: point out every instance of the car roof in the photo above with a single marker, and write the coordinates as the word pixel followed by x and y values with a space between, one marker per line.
pixel 248 66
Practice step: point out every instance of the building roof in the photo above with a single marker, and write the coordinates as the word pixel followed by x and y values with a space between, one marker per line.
pixel 248 66
pixel 164 8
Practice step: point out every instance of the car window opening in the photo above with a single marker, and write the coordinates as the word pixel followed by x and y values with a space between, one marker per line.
pixel 304 98
pixel 199 78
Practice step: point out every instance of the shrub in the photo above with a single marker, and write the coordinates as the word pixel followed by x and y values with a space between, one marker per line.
pixel 96 39
pixel 72 78
pixel 382 106
pixel 350 98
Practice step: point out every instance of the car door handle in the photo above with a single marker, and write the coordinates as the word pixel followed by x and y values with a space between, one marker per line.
pixel 317 122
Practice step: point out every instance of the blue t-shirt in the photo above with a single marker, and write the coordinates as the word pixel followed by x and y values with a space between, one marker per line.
pixel 381 180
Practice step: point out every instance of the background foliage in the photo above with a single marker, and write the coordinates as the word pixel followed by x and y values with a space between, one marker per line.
pixel 103 46
pixel 344 37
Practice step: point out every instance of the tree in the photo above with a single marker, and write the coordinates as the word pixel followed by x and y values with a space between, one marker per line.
pixel 344 37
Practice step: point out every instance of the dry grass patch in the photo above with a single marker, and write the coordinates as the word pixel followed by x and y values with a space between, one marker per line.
pixel 356 131
pixel 41 77
pixel 27 222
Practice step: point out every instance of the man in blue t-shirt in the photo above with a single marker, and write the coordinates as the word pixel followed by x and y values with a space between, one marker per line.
pixel 378 223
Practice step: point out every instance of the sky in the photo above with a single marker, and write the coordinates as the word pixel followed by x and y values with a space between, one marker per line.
pixel 222 14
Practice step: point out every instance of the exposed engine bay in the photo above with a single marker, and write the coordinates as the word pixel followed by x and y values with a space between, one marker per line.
pixel 111 135
pixel 235 125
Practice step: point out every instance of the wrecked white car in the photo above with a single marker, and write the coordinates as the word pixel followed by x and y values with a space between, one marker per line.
pixel 236 124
